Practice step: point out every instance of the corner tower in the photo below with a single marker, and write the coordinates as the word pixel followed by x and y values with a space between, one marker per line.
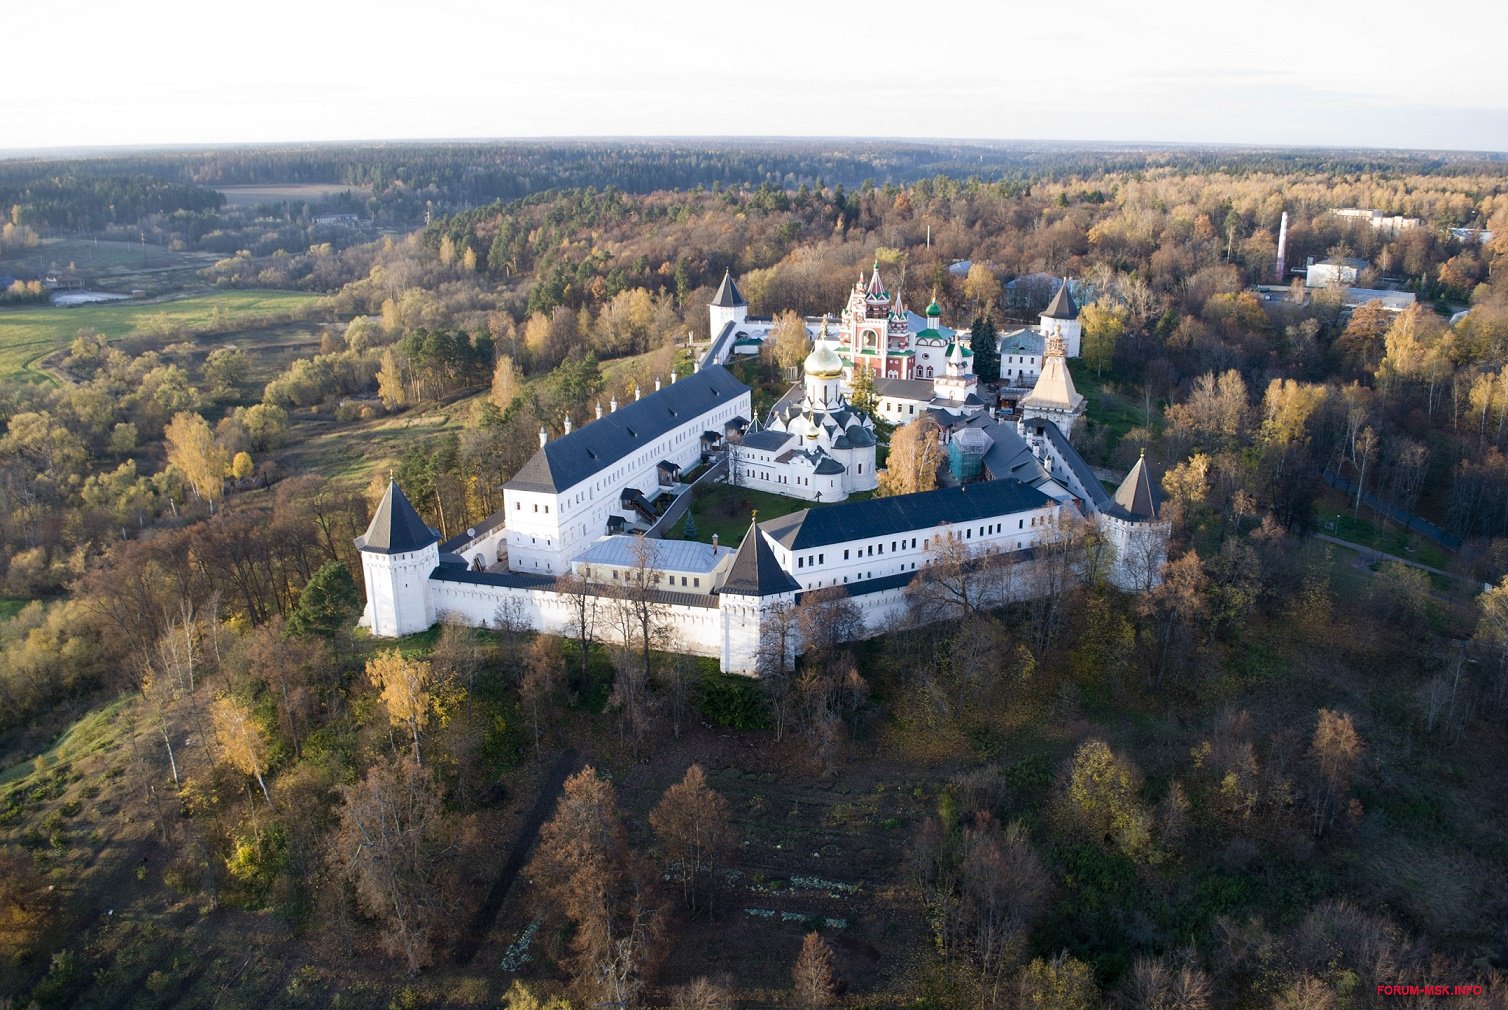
pixel 398 553
pixel 727 306
pixel 1062 315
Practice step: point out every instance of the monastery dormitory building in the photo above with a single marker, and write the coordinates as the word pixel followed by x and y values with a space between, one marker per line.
pixel 584 505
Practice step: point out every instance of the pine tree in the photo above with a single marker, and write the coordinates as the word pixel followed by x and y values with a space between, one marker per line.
pixel 986 350
pixel 688 530
pixel 327 603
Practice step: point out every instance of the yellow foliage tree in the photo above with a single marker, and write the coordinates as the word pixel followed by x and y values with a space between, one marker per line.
pixel 193 450
pixel 241 742
pixel 915 455
pixel 242 466
pixel 407 691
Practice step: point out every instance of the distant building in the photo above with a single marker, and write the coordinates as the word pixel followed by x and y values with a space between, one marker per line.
pixel 1388 224
pixel 1334 272
pixel 1481 236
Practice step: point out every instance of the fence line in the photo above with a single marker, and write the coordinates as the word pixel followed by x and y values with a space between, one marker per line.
pixel 1404 518
pixel 682 501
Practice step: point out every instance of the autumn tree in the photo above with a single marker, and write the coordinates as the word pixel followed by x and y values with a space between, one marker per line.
pixel 789 342
pixel 813 986
pixel 1059 983
pixel 585 873
pixel 406 688
pixel 392 844
pixel 27 904
pixel 1099 798
pixel 192 448
pixel 241 741
pixel 982 288
pixel 1103 325
pixel 1335 750
pixel 915 456
pixel 507 382
pixel 295 670
pixel 693 828
pixel 1492 633
pixel 543 681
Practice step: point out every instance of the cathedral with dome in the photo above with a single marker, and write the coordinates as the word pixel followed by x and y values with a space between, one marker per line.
pixel 814 444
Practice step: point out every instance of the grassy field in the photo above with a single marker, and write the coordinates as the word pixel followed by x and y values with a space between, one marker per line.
pixel 253 196
pixel 1335 517
pixel 725 510
pixel 27 335
pixel 354 452
pixel 1113 410
pixel 10 607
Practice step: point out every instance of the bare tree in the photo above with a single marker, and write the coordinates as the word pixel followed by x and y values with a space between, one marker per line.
pixel 582 596
pixel 391 844
pixel 702 994
pixel 586 874
pixel 693 827
pixel 812 976
pixel 826 618
pixel 543 681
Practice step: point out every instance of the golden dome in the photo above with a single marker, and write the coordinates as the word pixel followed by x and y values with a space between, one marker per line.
pixel 823 364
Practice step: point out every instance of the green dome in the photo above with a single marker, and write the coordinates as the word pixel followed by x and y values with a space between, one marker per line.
pixel 934 311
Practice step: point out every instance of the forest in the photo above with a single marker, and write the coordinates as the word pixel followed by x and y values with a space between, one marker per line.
pixel 1272 781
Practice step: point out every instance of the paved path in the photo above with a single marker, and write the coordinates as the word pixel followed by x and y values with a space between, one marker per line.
pixel 481 923
pixel 1372 554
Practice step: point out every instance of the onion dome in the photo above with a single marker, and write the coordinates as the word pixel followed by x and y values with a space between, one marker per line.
pixel 823 364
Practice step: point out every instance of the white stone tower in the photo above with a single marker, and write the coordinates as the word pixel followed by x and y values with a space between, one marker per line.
pixel 1053 397
pixel 398 553
pixel 1062 315
pixel 727 306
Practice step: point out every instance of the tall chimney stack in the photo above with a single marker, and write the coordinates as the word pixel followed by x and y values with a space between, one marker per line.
pixel 544 436
pixel 1280 271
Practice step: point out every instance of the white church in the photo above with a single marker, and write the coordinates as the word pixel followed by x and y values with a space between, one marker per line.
pixel 565 513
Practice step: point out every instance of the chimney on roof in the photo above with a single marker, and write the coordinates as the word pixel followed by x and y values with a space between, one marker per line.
pixel 672 375
pixel 613 403
pixel 638 391
pixel 714 545
pixel 568 424
pixel 657 383
pixel 544 436
pixel 599 410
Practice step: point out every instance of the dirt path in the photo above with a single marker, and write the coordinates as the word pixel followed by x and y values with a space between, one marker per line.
pixel 481 923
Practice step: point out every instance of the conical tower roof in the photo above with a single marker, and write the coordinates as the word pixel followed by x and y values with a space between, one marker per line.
pixel 756 571
pixel 728 296
pixel 1062 305
pixel 396 527
pixel 1136 494
pixel 1054 388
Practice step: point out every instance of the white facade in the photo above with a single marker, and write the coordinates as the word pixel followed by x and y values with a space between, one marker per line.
pixel 547 528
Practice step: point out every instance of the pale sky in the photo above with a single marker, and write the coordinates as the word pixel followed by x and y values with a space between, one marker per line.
pixel 1375 74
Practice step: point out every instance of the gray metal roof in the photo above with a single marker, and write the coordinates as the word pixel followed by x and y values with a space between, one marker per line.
pixel 903 389
pixel 767 439
pixel 1137 496
pixel 728 296
pixel 1076 463
pixel 567 461
pixel 1062 305
pixel 396 528
pixel 756 571
pixel 1023 341
pixel 664 555
pixel 879 517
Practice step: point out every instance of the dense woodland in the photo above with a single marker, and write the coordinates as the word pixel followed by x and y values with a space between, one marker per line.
pixel 1267 783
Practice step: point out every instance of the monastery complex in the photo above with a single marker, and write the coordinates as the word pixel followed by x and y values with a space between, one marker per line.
pixel 580 522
